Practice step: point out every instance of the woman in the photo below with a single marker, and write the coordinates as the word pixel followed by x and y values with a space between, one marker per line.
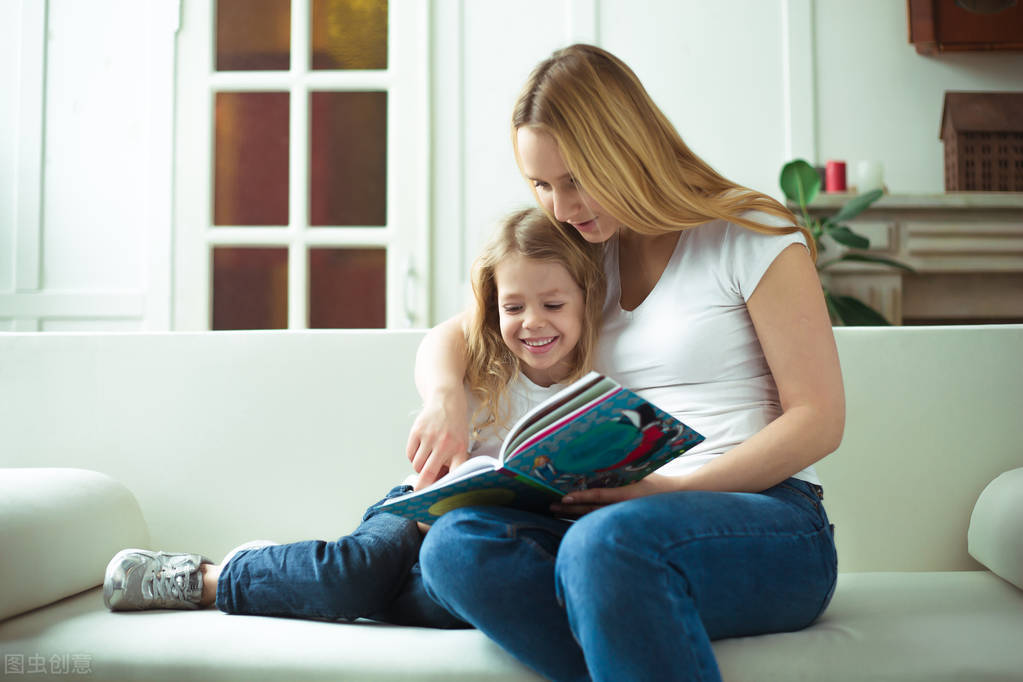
pixel 715 313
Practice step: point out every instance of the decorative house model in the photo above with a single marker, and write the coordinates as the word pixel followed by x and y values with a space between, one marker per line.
pixel 983 136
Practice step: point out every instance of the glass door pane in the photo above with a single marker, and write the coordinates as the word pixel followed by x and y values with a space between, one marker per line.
pixel 251 158
pixel 250 288
pixel 349 34
pixel 348 158
pixel 253 35
pixel 347 288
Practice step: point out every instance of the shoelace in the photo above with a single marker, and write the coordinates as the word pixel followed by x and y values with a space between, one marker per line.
pixel 168 583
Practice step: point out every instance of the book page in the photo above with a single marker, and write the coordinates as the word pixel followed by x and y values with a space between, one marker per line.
pixel 613 440
pixel 466 469
pixel 582 392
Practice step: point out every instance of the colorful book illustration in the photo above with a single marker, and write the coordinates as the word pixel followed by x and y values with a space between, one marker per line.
pixel 594 433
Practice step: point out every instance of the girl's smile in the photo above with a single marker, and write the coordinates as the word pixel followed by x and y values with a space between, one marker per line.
pixel 541 312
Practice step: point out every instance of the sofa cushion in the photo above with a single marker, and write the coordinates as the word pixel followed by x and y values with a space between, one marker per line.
pixel 936 626
pixel 216 647
pixel 995 538
pixel 58 530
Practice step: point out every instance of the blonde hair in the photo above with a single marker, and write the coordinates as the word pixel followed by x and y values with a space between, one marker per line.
pixel 622 149
pixel 491 364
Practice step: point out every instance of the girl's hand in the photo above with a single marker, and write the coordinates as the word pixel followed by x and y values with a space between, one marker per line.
pixel 584 501
pixel 439 439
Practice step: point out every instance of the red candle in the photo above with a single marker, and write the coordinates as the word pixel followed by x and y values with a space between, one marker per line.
pixel 834 176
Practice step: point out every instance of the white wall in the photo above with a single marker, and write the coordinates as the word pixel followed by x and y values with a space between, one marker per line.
pixel 749 83
pixel 85 134
pixel 9 83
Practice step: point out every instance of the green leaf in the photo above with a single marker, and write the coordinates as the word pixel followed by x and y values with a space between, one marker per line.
pixel 864 258
pixel 855 312
pixel 800 182
pixel 843 235
pixel 857 205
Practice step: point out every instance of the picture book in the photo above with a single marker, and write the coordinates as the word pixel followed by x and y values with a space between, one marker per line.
pixel 593 433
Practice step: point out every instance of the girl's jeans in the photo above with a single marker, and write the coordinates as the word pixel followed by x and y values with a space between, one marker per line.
pixel 372 573
pixel 636 590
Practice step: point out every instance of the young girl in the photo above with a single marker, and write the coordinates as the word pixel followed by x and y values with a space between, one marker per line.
pixel 714 312
pixel 538 293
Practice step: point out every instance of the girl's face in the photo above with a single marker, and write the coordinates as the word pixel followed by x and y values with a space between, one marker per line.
pixel 541 314
pixel 542 164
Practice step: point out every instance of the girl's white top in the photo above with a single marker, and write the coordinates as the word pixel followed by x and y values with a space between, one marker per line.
pixel 523 395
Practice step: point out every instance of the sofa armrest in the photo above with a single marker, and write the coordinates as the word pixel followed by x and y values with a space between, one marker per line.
pixel 995 538
pixel 58 530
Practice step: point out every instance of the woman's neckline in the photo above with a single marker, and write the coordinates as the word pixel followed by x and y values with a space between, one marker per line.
pixel 651 275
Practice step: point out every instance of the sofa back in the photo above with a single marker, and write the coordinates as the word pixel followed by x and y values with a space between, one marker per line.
pixel 287 435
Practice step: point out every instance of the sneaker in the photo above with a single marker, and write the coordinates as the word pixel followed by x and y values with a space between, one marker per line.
pixel 138 579
pixel 254 544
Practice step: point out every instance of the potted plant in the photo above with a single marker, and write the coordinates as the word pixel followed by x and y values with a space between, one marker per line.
pixel 801 184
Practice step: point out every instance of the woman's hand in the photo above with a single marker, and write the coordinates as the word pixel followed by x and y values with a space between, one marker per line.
pixel 439 439
pixel 584 501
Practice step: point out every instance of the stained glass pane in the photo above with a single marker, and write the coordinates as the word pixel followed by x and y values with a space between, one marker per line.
pixel 253 35
pixel 349 34
pixel 348 158
pixel 347 288
pixel 251 159
pixel 250 288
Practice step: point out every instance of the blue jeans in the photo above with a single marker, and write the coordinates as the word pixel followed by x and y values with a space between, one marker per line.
pixel 372 573
pixel 636 590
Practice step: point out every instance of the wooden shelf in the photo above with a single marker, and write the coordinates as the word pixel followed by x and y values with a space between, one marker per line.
pixel 971 200
pixel 937 26
pixel 966 249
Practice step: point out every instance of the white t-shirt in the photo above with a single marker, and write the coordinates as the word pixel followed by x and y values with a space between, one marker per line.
pixel 523 395
pixel 690 346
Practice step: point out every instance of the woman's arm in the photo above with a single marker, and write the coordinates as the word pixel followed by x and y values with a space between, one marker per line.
pixel 792 324
pixel 439 439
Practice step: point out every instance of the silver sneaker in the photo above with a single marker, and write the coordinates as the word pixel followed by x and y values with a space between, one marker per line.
pixel 138 579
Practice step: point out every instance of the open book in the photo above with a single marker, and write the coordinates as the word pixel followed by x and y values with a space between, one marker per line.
pixel 594 433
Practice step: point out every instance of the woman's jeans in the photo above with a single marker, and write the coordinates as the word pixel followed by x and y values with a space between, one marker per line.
pixel 636 590
pixel 372 573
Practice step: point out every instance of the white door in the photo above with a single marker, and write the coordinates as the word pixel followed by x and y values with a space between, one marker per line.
pixel 301 157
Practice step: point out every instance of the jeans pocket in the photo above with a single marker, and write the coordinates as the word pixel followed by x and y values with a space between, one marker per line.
pixel 798 489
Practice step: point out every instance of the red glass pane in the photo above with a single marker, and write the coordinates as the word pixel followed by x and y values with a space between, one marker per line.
pixel 250 288
pixel 251 158
pixel 253 35
pixel 348 158
pixel 347 288
pixel 349 34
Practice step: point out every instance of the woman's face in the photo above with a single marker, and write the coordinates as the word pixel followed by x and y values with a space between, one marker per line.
pixel 558 192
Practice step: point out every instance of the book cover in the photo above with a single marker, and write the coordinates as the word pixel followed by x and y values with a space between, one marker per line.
pixel 594 433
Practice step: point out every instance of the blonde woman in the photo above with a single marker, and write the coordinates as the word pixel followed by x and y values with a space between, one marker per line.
pixel 538 292
pixel 715 313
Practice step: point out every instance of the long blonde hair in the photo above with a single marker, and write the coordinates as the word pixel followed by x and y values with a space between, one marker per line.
pixel 492 365
pixel 625 153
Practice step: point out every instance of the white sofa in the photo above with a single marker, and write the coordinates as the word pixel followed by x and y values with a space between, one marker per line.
pixel 196 442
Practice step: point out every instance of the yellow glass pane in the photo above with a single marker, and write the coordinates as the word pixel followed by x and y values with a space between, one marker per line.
pixel 348 159
pixel 250 288
pixel 253 35
pixel 347 288
pixel 349 34
pixel 250 183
